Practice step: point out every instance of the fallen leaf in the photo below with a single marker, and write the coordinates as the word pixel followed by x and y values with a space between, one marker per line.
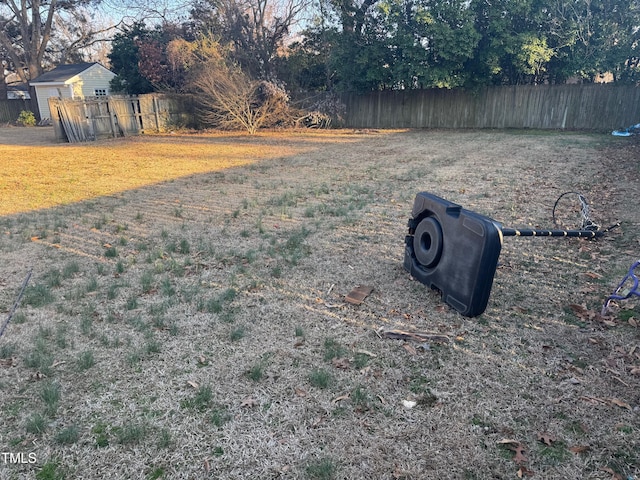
pixel 578 309
pixel 583 312
pixel 507 441
pixel 517 447
pixel 249 402
pixel 342 363
pixel 524 471
pixel 519 458
pixel 587 289
pixel 410 349
pixel 620 403
pixel 633 322
pixel 615 476
pixel 546 438
pixel 300 392
pixel 593 275
pixel 207 467
pixel 635 371
pixel 299 342
pixel 593 400
pixel 193 384
pixel 8 362
pixel 340 398
pixel 36 376
pixel 366 352
pixel 579 449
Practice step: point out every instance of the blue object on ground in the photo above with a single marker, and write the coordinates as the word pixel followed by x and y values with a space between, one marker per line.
pixel 632 130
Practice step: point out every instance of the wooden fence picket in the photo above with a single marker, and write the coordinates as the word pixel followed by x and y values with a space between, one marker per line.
pixel 81 120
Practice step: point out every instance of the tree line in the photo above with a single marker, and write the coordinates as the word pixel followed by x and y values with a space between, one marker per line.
pixel 345 45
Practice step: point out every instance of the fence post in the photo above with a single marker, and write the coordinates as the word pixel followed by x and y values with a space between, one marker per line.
pixel 112 119
pixel 156 107
pixel 58 129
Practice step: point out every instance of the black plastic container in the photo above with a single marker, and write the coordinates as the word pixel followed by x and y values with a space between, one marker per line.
pixel 454 251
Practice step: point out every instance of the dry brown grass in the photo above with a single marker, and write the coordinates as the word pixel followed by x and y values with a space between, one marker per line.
pixel 196 325
pixel 47 175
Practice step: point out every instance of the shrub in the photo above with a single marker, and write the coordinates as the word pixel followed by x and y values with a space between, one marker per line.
pixel 26 119
pixel 230 98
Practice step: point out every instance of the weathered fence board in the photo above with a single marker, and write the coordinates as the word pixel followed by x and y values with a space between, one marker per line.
pixel 575 107
pixel 81 120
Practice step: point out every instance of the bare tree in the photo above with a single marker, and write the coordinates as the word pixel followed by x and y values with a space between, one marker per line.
pixel 82 35
pixel 231 99
pixel 25 31
pixel 257 29
pixel 154 11
pixel 34 32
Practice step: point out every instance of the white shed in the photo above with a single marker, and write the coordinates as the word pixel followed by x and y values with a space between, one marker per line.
pixel 78 80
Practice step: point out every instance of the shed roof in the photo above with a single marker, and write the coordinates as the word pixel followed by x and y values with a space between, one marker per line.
pixel 62 73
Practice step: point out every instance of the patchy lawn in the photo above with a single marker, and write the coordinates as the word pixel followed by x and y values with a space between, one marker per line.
pixel 186 313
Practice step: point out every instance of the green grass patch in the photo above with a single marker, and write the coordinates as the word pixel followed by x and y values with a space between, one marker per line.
pixel 38 295
pixel 51 470
pixel 320 378
pixel 333 349
pixel 130 434
pixel 237 333
pixel 321 469
pixel 68 435
pixel 200 401
pixel 220 415
pixel 85 361
pixel 555 454
pixel 36 424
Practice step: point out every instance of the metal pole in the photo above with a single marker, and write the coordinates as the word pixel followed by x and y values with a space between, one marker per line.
pixel 513 232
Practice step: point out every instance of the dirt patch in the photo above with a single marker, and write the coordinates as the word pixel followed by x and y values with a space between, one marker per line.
pixel 197 327
pixel 27 136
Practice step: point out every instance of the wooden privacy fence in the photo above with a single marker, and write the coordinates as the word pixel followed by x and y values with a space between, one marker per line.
pixel 81 120
pixel 10 109
pixel 597 107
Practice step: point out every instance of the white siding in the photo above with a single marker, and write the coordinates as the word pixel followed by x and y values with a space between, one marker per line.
pixel 93 78
pixel 43 92
pixel 81 85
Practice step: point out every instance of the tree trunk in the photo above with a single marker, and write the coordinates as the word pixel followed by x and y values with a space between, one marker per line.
pixel 3 83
